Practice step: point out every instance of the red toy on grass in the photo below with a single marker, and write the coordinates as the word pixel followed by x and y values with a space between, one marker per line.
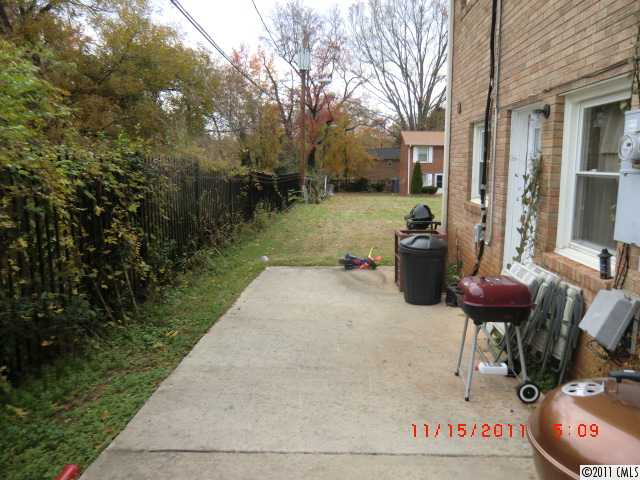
pixel 352 262
pixel 69 472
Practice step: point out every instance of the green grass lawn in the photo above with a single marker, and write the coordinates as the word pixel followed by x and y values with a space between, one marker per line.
pixel 73 411
pixel 320 234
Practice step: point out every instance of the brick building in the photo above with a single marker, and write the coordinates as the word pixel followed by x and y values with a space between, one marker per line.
pixel 426 148
pixel 384 166
pixel 563 84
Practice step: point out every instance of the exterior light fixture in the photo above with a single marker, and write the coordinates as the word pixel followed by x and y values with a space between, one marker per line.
pixel 605 264
pixel 544 111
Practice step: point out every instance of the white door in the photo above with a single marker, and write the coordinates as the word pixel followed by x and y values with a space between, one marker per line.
pixel 525 148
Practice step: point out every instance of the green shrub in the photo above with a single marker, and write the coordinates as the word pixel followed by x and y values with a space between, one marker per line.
pixel 377 186
pixel 416 179
pixel 430 190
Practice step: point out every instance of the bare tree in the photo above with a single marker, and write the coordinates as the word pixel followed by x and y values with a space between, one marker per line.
pixel 402 46
pixel 327 40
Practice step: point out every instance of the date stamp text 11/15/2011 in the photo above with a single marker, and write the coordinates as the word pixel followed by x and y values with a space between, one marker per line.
pixel 496 430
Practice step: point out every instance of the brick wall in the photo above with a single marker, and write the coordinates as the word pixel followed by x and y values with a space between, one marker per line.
pixel 382 170
pixel 548 47
pixel 405 172
pixel 438 162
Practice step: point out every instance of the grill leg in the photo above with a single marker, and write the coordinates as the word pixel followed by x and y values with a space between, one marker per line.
pixel 507 336
pixel 523 363
pixel 474 347
pixel 464 336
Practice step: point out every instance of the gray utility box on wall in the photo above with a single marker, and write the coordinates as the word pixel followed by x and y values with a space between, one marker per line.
pixel 609 317
pixel 627 228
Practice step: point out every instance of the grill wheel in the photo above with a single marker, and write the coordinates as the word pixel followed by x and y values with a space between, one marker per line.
pixel 528 392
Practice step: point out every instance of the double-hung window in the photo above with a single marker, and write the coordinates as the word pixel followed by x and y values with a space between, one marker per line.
pixel 593 125
pixel 477 160
pixel 423 154
pixel 427 179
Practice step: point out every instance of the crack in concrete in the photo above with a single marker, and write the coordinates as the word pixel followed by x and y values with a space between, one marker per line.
pixel 305 452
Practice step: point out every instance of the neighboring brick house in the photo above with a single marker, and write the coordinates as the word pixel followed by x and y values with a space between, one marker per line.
pixel 425 147
pixel 384 166
pixel 574 59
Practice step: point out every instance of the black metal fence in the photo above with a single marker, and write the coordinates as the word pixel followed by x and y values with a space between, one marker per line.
pixel 63 273
pixel 353 185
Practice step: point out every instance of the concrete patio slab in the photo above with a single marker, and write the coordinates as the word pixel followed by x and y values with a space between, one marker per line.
pixel 321 373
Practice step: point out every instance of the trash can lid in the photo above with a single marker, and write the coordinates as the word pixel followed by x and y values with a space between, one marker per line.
pixel 420 243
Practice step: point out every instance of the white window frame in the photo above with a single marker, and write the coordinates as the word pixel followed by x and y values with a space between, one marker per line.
pixel 427 179
pixel 575 105
pixel 441 176
pixel 416 154
pixel 476 160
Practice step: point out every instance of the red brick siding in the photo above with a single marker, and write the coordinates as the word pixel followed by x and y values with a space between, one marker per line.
pixel 382 170
pixel 404 158
pixel 548 47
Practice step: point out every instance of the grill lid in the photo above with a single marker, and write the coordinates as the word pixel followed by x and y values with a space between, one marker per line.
pixel 420 212
pixel 501 291
pixel 584 422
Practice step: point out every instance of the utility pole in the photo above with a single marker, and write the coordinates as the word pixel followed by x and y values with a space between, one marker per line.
pixel 304 64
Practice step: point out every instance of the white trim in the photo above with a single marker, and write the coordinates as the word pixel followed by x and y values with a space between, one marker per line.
pixel 416 153
pixel 575 103
pixel 588 90
pixel 519 144
pixel 476 159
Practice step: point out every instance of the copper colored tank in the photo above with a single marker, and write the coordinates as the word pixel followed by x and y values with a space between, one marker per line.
pixel 587 422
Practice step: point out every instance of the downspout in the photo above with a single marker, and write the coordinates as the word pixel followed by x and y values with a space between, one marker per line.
pixel 447 117
pixel 489 235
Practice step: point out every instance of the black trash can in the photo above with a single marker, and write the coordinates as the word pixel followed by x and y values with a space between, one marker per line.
pixel 423 259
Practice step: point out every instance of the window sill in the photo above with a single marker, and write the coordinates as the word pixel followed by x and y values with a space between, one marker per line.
pixel 578 256
pixel 472 206
pixel 587 257
pixel 575 272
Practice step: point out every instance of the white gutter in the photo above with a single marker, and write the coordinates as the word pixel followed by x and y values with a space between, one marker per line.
pixel 447 118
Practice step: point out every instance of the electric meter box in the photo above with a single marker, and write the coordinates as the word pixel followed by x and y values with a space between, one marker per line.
pixel 627 228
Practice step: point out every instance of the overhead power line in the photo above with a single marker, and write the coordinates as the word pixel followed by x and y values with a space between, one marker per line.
pixel 273 40
pixel 217 47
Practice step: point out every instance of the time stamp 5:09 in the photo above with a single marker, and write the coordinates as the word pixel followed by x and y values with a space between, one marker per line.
pixel 498 430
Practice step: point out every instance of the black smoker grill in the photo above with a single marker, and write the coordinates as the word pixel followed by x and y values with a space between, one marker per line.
pixel 500 299
pixel 421 218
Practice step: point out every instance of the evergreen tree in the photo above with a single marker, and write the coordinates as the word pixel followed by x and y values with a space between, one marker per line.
pixel 416 179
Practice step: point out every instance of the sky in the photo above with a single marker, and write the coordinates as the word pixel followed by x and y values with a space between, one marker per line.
pixel 230 23
pixel 235 23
